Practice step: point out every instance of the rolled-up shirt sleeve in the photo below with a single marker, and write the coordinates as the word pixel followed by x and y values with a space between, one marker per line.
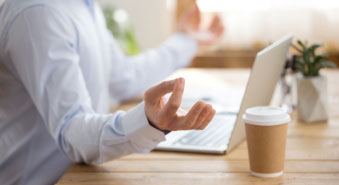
pixel 43 51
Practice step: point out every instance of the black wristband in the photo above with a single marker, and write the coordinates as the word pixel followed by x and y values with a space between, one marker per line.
pixel 164 131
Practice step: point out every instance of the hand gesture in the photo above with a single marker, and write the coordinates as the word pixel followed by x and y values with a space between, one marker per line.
pixel 163 115
pixel 189 23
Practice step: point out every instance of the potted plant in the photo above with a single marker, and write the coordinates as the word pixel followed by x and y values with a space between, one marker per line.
pixel 311 85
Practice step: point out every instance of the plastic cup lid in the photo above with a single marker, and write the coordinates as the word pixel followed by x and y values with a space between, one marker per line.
pixel 266 116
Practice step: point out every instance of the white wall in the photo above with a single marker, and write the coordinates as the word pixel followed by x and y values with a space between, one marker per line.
pixel 151 19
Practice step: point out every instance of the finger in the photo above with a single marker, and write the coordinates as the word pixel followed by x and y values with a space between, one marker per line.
pixel 174 102
pixel 215 23
pixel 191 10
pixel 203 115
pixel 196 16
pixel 218 33
pixel 191 17
pixel 193 114
pixel 207 120
pixel 154 94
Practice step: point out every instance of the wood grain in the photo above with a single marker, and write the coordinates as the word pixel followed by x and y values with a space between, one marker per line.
pixel 197 179
pixel 312 151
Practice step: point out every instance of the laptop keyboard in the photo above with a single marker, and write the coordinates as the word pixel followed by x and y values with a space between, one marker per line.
pixel 216 134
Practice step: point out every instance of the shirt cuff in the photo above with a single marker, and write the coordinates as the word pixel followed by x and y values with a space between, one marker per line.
pixel 180 42
pixel 139 131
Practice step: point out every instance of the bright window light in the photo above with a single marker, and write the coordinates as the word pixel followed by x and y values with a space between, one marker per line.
pixel 262 5
pixel 248 22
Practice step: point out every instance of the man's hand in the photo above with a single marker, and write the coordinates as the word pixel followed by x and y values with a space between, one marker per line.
pixel 163 115
pixel 189 23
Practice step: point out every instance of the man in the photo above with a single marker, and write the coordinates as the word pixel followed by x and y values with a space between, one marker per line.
pixel 59 69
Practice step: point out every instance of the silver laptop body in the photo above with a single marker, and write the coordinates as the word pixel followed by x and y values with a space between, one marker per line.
pixel 226 130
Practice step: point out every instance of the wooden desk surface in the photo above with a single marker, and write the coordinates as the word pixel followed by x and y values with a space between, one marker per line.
pixel 312 155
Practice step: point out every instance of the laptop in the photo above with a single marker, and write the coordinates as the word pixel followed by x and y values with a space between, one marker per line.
pixel 226 130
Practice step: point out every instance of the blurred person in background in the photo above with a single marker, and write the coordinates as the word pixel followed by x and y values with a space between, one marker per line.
pixel 60 67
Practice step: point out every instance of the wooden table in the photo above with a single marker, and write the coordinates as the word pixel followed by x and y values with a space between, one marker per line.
pixel 312 155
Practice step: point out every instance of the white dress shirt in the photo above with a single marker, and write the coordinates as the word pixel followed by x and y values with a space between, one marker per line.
pixel 60 68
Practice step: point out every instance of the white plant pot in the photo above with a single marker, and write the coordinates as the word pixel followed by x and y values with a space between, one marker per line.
pixel 312 99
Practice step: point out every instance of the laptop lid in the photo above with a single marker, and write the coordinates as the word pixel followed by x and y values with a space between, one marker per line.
pixel 266 71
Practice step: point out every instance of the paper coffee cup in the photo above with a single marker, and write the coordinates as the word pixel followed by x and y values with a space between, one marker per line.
pixel 266 132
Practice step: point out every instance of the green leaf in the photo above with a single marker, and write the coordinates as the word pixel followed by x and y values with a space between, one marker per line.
pixel 300 65
pixel 300 61
pixel 307 57
pixel 296 48
pixel 302 44
pixel 314 47
pixel 317 64
pixel 319 58
pixel 308 63
pixel 306 54
pixel 328 64
pixel 318 67
pixel 310 66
